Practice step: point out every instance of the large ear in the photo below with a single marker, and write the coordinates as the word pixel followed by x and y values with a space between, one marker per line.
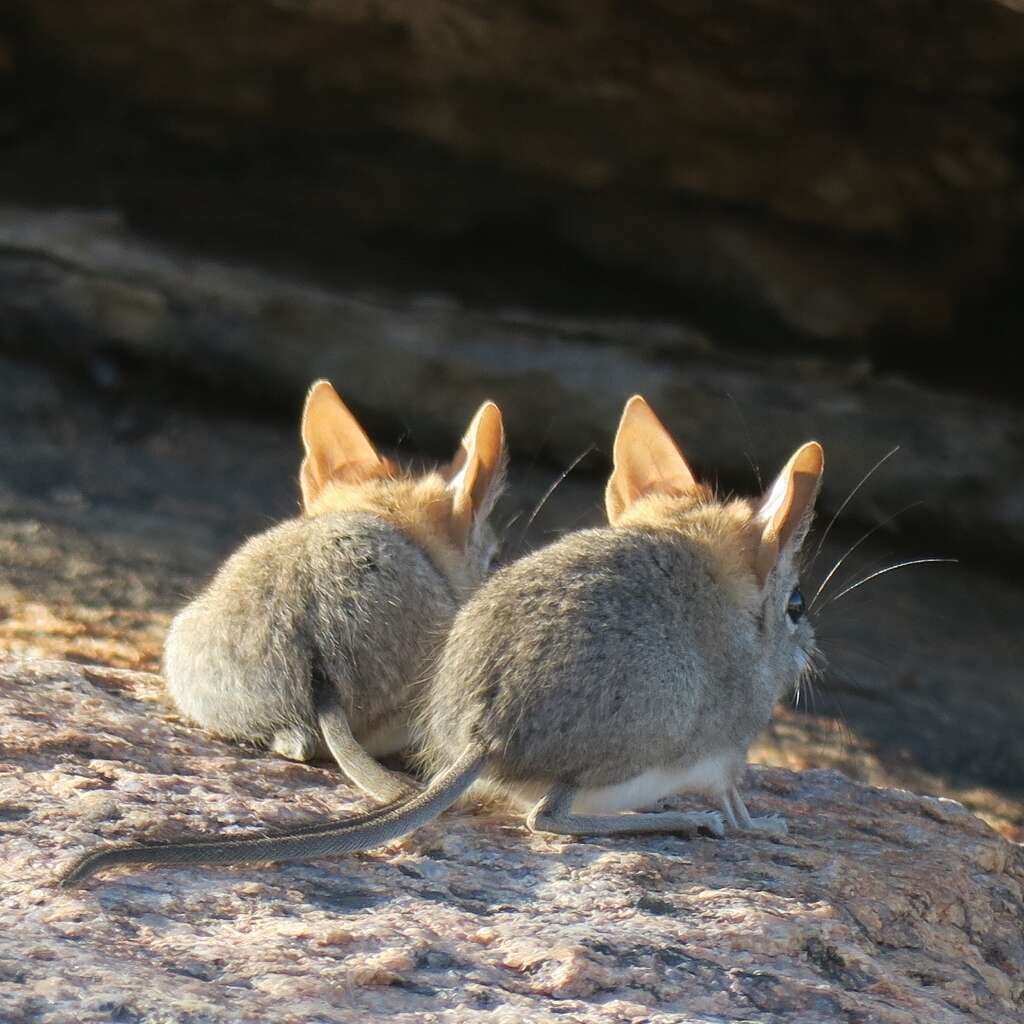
pixel 787 506
pixel 645 461
pixel 337 448
pixel 476 474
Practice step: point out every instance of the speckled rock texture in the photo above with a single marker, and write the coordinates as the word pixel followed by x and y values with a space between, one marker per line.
pixel 879 906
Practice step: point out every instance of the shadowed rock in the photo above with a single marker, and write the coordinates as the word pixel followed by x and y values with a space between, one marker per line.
pixel 848 169
pixel 79 286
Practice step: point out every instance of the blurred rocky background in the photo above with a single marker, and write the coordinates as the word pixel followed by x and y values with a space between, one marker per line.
pixel 775 220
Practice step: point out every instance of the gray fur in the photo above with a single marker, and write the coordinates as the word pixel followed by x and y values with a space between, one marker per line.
pixel 318 633
pixel 605 655
pixel 608 654
pixel 338 613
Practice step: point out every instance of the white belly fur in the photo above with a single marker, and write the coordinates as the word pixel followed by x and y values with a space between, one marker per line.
pixel 712 776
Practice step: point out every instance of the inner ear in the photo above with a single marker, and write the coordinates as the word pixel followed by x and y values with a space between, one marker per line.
pixel 337 447
pixel 476 473
pixel 645 461
pixel 788 505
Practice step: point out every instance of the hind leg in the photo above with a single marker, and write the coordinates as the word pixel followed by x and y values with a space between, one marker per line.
pixel 552 814
pixel 295 743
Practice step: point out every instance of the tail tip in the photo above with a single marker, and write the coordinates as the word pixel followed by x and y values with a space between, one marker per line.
pixel 77 871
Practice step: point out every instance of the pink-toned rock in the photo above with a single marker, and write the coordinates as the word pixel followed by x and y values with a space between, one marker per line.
pixel 878 906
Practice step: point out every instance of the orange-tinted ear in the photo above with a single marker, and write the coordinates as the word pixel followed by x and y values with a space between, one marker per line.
pixel 785 512
pixel 337 448
pixel 645 459
pixel 476 474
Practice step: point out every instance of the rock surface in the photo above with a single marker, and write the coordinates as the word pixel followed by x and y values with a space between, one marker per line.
pixel 852 170
pixel 81 288
pixel 878 906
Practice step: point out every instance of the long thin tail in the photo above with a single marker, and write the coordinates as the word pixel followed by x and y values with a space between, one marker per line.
pixel 304 843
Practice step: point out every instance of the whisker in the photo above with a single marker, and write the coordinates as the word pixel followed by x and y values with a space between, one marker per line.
pixel 851 576
pixel 551 490
pixel 874 529
pixel 882 572
pixel 512 522
pixel 857 652
pixel 842 724
pixel 750 447
pixel 799 695
pixel 863 480
pixel 811 699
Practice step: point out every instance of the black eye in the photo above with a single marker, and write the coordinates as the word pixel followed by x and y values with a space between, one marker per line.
pixel 795 606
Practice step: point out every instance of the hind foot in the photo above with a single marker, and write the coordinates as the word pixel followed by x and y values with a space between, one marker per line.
pixel 295 744
pixel 774 824
pixel 736 815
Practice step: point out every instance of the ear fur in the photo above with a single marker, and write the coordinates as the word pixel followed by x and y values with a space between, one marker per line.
pixel 337 448
pixel 645 459
pixel 786 508
pixel 476 474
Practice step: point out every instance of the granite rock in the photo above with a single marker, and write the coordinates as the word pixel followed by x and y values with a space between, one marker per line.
pixel 878 906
